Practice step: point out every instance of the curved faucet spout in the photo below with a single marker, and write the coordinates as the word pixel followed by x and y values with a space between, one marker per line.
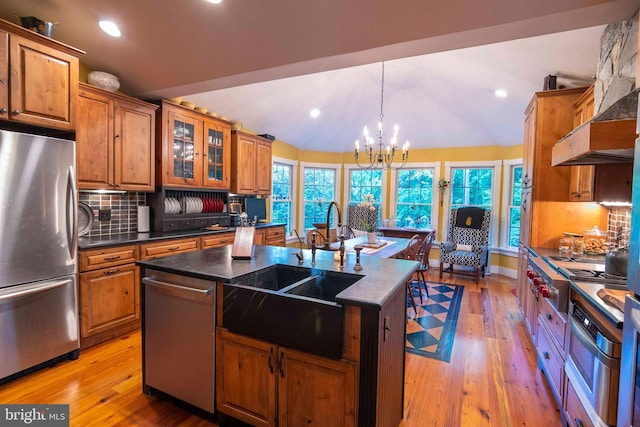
pixel 329 216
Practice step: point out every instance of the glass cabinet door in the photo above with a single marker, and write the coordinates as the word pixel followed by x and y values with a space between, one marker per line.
pixel 217 150
pixel 184 150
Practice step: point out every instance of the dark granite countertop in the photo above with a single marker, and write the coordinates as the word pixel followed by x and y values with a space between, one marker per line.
pixel 136 238
pixel 381 276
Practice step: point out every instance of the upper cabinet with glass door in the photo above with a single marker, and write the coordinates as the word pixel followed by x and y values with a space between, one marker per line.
pixel 195 149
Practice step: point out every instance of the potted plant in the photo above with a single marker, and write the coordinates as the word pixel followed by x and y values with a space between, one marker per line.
pixel 369 227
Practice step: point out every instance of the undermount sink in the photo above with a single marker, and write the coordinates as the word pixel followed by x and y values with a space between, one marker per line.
pixel 288 305
pixel 324 286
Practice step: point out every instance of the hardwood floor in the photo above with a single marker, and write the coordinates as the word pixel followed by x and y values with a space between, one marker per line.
pixel 492 379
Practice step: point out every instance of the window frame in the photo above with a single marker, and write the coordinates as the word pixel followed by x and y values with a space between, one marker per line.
pixel 294 187
pixel 311 165
pixel 346 194
pixel 507 188
pixel 393 191
pixel 495 196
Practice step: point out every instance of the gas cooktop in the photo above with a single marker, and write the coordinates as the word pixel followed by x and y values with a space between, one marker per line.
pixel 586 269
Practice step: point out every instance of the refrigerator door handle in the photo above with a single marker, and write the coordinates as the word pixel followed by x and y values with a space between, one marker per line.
pixel 72 216
pixel 35 290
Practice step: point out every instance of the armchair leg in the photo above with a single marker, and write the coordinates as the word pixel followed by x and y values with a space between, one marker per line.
pixel 441 269
pixel 477 275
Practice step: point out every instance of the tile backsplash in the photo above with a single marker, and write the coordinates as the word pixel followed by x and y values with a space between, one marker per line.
pixel 124 212
pixel 619 219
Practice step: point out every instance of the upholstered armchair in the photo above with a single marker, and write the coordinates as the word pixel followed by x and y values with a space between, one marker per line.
pixel 468 244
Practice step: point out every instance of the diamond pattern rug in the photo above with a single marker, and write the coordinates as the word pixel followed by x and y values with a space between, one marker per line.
pixel 430 332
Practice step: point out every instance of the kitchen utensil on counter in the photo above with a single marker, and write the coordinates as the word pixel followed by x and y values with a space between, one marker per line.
pixel 616 262
pixel 85 218
pixel 564 245
pixel 143 219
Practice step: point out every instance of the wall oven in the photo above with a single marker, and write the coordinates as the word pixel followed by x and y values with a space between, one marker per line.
pixel 593 364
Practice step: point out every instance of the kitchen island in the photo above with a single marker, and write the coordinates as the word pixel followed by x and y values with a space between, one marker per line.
pixel 264 374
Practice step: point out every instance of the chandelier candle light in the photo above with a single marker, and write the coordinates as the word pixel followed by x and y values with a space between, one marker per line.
pixel 381 155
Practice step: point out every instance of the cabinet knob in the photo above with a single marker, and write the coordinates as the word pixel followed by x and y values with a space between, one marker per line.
pixel 271 360
pixel 16 112
pixel 545 354
pixel 578 422
pixel 281 364
pixel 117 136
pixel 548 316
pixel 3 110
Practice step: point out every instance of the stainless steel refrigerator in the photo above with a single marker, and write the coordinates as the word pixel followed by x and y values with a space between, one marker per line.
pixel 38 248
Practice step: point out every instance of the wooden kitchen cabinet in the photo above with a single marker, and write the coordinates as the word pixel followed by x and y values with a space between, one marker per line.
pixel 38 79
pixel 581 178
pixel 260 236
pixel 250 164
pixel 108 293
pixel 216 240
pixel 115 146
pixel 169 247
pixel 275 236
pixel 288 387
pixel 575 414
pixel 194 147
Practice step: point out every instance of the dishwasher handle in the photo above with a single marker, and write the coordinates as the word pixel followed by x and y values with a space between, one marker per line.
pixel 180 291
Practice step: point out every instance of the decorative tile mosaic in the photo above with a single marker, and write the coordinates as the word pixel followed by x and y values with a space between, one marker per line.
pixel 619 220
pixel 124 212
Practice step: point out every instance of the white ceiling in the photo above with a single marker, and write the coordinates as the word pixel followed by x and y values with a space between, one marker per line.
pixel 267 63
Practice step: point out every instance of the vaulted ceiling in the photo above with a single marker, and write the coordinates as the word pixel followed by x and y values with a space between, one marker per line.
pixel 267 63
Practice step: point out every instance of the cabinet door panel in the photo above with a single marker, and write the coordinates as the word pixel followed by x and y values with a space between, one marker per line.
pixel 134 148
pixel 246 172
pixel 246 381
pixel 108 298
pixel 216 155
pixel 315 391
pixel 182 155
pixel 94 141
pixel 4 74
pixel 44 84
pixel 263 169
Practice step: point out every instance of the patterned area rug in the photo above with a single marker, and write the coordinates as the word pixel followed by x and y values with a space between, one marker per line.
pixel 430 332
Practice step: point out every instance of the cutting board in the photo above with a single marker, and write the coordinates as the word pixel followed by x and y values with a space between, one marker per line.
pixel 614 297
pixel 243 247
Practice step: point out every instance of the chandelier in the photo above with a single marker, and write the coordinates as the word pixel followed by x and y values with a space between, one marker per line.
pixel 378 154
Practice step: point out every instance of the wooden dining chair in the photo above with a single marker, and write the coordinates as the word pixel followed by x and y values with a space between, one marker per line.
pixel 423 257
pixel 412 253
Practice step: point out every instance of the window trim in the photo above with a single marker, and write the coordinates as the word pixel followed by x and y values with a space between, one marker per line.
pixel 304 165
pixel 347 168
pixel 495 195
pixel 507 173
pixel 393 191
pixel 294 189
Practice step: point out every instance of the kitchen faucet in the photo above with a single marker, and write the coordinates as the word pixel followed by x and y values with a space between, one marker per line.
pixel 328 218
pixel 299 254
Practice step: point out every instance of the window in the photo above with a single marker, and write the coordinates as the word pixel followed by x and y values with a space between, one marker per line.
pixel 414 203
pixel 474 184
pixel 359 182
pixel 512 191
pixel 471 187
pixel 320 188
pixel 282 208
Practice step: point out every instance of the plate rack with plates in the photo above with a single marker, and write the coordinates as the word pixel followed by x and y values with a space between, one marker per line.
pixel 177 209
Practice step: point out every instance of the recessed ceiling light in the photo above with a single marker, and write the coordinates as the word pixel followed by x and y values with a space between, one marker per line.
pixel 314 113
pixel 110 28
pixel 215 1
pixel 501 93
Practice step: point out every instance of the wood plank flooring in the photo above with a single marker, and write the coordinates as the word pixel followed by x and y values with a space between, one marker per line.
pixel 492 379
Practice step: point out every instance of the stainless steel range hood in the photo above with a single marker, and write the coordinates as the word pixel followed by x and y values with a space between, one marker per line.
pixel 607 138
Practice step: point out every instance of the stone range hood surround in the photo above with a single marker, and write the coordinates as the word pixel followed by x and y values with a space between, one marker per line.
pixel 608 137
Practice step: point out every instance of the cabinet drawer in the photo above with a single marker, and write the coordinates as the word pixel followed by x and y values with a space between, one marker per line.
pixel 216 240
pixel 574 412
pixel 169 247
pixel 275 233
pixel 170 225
pixel 556 322
pixel 552 361
pixel 109 257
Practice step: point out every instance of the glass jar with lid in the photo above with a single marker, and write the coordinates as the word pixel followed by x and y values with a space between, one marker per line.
pixel 565 242
pixel 577 245
pixel 595 241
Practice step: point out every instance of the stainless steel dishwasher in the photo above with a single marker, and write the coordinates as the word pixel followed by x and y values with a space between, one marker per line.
pixel 178 337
